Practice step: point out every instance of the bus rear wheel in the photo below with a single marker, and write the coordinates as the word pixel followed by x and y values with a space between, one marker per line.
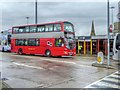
pixel 48 53
pixel 20 52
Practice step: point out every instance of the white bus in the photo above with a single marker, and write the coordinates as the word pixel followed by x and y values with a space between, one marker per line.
pixel 116 47
pixel 5 41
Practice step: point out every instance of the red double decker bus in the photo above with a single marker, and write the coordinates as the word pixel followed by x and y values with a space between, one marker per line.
pixel 50 39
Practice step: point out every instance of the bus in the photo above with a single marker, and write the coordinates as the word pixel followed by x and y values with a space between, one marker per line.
pixel 5 40
pixel 116 47
pixel 49 39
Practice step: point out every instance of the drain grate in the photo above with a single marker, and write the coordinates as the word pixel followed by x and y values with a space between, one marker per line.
pixel 3 79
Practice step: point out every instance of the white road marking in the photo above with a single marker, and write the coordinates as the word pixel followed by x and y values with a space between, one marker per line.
pixel 105 84
pixel 102 83
pixel 19 64
pixel 21 56
pixel 59 61
pixel 66 62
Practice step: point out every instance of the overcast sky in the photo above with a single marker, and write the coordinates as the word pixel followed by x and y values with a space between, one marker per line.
pixel 80 14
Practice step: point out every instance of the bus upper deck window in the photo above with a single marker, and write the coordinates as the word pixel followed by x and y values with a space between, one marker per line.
pixel 40 28
pixel 57 27
pixel 15 30
pixel 49 27
pixel 21 29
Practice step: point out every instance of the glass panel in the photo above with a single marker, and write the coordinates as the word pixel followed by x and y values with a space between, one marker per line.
pixel 57 27
pixel 15 30
pixel 48 28
pixel 21 29
pixel 20 42
pixel 59 42
pixel 69 36
pixel 70 40
pixel 40 28
pixel 68 27
pixel 33 28
pixel 26 42
pixel 27 29
pixel 31 42
pixel 37 42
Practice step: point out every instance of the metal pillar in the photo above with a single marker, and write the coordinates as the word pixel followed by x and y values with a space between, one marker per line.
pixel 84 47
pixel 91 46
pixel 78 47
pixel 108 34
pixel 36 18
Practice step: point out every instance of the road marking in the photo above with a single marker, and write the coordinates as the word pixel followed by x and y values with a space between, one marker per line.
pixel 59 61
pixel 106 82
pixel 21 56
pixel 19 64
pixel 66 62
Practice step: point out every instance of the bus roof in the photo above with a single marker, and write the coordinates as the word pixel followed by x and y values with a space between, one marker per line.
pixel 42 24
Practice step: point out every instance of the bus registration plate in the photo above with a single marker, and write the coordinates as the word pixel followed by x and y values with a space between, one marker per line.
pixel 70 53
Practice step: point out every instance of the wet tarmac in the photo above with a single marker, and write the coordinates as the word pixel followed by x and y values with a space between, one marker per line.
pixel 29 71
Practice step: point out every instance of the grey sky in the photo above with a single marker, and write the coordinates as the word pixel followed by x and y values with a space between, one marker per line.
pixel 80 14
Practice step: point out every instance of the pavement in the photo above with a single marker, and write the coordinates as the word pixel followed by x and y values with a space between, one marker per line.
pixel 29 71
pixel 110 81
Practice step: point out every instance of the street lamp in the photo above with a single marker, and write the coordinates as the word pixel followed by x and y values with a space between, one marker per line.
pixel 112 14
pixel 108 32
pixel 112 22
pixel 27 18
pixel 35 11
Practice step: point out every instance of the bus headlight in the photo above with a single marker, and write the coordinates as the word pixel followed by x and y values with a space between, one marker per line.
pixel 65 52
pixel 62 45
pixel 74 52
pixel 65 49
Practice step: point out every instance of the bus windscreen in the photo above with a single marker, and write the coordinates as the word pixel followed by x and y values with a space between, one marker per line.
pixel 68 27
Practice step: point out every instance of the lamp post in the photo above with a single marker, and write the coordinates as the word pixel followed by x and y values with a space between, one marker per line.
pixel 112 14
pixel 27 20
pixel 35 11
pixel 112 22
pixel 108 27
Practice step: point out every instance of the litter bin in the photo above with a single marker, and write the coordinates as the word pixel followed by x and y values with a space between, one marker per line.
pixel 100 58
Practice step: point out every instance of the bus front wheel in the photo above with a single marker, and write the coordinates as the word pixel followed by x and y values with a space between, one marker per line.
pixel 48 53
pixel 20 51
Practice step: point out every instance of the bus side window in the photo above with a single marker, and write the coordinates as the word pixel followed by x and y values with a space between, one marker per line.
pixel 49 28
pixel 57 27
pixel 15 30
pixel 26 42
pixel 33 42
pixel 58 42
pixel 20 42
pixel 21 29
pixel 33 28
pixel 27 29
pixel 37 42
pixel 40 28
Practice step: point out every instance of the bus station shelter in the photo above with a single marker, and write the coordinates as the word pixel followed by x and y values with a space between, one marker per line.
pixel 91 45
